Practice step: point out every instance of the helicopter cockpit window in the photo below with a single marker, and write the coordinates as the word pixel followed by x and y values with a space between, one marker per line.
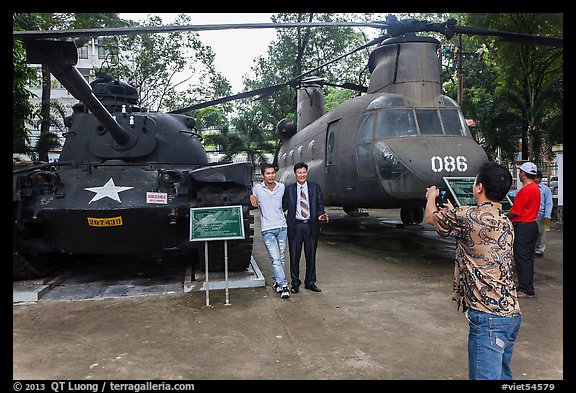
pixel 365 134
pixel 449 102
pixel 464 124
pixel 364 157
pixel 429 122
pixel 397 122
pixel 451 121
pixel 386 101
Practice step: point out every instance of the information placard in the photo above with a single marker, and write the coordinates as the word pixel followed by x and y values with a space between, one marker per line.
pixel 216 223
pixel 461 189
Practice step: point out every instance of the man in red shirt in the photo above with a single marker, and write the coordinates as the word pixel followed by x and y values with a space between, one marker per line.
pixel 523 215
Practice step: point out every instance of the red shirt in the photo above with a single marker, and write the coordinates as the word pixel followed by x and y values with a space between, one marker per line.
pixel 526 204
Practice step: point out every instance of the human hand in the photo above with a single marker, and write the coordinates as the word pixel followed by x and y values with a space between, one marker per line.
pixel 324 217
pixel 446 206
pixel 254 201
pixel 432 192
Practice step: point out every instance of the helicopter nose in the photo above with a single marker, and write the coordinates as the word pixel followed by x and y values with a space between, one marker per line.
pixel 433 158
pixel 423 161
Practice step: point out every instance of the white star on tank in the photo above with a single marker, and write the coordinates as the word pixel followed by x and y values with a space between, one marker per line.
pixel 108 190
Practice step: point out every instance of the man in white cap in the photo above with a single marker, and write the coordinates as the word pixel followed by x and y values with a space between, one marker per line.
pixel 523 214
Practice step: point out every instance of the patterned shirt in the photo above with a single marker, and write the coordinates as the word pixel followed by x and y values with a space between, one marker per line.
pixel 484 257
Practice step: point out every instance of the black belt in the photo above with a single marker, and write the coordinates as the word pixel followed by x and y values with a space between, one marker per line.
pixel 303 221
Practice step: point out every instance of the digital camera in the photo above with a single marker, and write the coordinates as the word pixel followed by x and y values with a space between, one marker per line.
pixel 442 197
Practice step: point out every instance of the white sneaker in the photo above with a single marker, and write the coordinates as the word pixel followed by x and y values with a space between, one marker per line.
pixel 285 294
pixel 276 287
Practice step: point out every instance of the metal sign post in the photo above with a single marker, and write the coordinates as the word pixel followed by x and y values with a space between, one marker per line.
pixel 226 271
pixel 206 282
pixel 216 223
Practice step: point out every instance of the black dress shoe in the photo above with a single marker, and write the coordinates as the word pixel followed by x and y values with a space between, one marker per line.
pixel 294 289
pixel 313 288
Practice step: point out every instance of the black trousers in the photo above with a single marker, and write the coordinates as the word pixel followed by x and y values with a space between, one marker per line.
pixel 304 238
pixel 525 237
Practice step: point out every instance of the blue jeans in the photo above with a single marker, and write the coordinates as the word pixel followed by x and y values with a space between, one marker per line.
pixel 491 342
pixel 275 242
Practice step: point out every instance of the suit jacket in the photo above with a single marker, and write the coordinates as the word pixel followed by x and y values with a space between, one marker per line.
pixel 316 203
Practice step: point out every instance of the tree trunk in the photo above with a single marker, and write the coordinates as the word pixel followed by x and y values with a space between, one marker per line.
pixel 44 112
pixel 525 149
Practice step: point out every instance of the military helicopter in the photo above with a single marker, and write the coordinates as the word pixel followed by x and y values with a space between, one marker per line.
pixel 378 150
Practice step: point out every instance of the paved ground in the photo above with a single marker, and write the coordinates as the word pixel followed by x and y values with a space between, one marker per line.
pixel 384 313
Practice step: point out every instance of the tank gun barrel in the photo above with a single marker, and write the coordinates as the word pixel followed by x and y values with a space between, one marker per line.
pixel 61 59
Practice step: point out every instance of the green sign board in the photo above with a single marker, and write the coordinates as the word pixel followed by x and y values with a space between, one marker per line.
pixel 216 223
pixel 461 189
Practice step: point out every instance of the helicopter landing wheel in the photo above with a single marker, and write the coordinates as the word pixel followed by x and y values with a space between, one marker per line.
pixel 350 210
pixel 354 211
pixel 411 215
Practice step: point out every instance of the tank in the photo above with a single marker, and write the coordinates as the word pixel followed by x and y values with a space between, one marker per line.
pixel 124 183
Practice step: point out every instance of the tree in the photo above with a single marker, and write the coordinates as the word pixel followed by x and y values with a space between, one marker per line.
pixel 529 86
pixel 22 109
pixel 45 21
pixel 152 64
pixel 294 52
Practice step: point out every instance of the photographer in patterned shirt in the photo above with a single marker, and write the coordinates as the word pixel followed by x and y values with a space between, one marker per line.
pixel 483 282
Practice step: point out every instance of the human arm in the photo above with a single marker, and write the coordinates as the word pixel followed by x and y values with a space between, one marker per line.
pixel 285 199
pixel 322 213
pixel 548 205
pixel 510 214
pixel 254 200
pixel 431 193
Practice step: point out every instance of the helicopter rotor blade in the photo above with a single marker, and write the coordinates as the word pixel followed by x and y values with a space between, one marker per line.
pixel 512 37
pixel 257 92
pixel 348 85
pixel 393 27
pixel 372 42
pixel 134 30
pixel 292 82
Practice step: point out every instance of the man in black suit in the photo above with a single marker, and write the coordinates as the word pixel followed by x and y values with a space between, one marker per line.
pixel 305 206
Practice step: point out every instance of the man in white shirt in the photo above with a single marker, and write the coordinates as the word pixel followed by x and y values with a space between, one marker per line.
pixel 267 196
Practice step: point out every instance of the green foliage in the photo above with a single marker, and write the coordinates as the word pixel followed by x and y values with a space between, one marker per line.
pixel 23 76
pixel 522 87
pixel 335 96
pixel 245 137
pixel 294 52
pixel 22 109
pixel 152 62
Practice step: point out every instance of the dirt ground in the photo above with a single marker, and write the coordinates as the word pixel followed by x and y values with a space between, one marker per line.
pixel 384 314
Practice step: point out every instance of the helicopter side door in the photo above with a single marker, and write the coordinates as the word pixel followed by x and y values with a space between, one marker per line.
pixel 343 161
pixel 332 187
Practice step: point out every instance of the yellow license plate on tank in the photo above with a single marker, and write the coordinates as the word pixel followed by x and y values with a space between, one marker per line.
pixel 105 222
